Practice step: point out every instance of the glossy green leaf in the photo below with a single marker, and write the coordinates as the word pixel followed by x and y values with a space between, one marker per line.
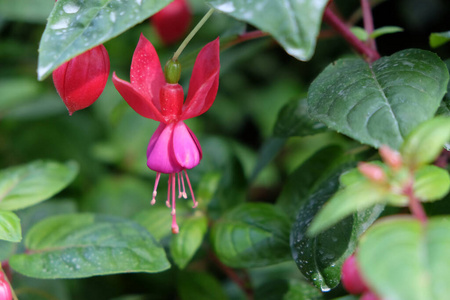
pixel 267 152
pixel 385 30
pixel 26 10
pixel 10 229
pixel 287 290
pixel 379 103
pixel 199 286
pixel 444 108
pixel 252 235
pixel 29 184
pixel 360 33
pixel 294 120
pixel 184 244
pixel 431 183
pixel 84 245
pixel 402 259
pixel 156 220
pixel 439 38
pixel 320 257
pixel 295 24
pixel 426 142
pixel 75 26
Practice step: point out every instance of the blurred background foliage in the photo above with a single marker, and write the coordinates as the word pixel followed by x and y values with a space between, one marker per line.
pixel 109 140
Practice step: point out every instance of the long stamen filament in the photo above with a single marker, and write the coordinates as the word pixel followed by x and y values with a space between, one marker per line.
pixel 184 189
pixel 175 228
pixel 158 175
pixel 190 188
pixel 179 186
pixel 168 191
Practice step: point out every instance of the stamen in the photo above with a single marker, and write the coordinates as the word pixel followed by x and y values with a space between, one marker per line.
pixel 158 175
pixel 190 188
pixel 184 189
pixel 168 191
pixel 179 187
pixel 175 228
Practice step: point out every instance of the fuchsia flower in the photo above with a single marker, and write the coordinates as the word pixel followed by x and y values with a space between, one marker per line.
pixel 172 22
pixel 5 289
pixel 173 148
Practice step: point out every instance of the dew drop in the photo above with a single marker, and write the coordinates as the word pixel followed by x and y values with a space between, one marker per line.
pixel 71 8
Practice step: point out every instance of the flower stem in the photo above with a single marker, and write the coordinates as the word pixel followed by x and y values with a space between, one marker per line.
pixel 243 38
pixel 415 206
pixel 192 33
pixel 368 23
pixel 334 21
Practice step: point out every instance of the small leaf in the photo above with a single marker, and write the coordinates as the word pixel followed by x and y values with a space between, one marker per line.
pixel 385 30
pixel 360 33
pixel 10 227
pixel 431 183
pixel 403 259
pixel 295 24
pixel 29 184
pixel 425 142
pixel 75 26
pixel 84 245
pixel 379 103
pixel 439 38
pixel 184 244
pixel 199 286
pixel 294 120
pixel 252 235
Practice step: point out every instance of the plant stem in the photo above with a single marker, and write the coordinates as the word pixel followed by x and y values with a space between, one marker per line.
pixel 331 19
pixel 243 284
pixel 244 37
pixel 368 23
pixel 415 206
pixel 357 15
pixel 192 33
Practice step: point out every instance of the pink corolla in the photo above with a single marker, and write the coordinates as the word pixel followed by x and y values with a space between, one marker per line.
pixel 173 148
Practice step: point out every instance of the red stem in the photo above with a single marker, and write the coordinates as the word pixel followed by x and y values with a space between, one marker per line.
pixel 243 284
pixel 334 21
pixel 245 37
pixel 368 22
pixel 415 206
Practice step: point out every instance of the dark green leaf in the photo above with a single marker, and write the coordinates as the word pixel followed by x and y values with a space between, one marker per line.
pixel 156 220
pixel 379 103
pixel 10 227
pixel 26 185
pixel 431 183
pixel 320 258
pixel 403 259
pixel 287 290
pixel 252 235
pixel 439 38
pixel 199 286
pixel 84 245
pixel 444 108
pixel 75 26
pixel 295 24
pixel 294 120
pixel 426 142
pixel 184 244
pixel 267 152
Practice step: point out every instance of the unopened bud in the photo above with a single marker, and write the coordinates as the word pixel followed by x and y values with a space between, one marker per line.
pixel 351 277
pixel 372 172
pixel 5 289
pixel 369 296
pixel 391 157
pixel 172 71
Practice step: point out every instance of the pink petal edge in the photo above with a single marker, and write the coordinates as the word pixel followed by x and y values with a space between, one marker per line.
pixel 185 148
pixel 161 158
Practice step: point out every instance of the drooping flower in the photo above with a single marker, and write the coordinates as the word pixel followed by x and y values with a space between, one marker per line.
pixel 81 80
pixel 172 22
pixel 173 148
pixel 5 289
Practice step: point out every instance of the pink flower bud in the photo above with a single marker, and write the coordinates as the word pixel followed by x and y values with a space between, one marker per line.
pixel 368 295
pixel 372 172
pixel 5 289
pixel 81 80
pixel 391 157
pixel 172 22
pixel 351 277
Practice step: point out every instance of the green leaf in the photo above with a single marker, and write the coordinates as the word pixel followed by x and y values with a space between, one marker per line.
pixel 439 38
pixel 320 257
pixel 385 30
pixel 252 235
pixel 294 120
pixel 360 33
pixel 426 142
pixel 84 245
pixel 287 290
pixel 10 227
pixel 310 173
pixel 444 108
pixel 75 26
pixel 199 286
pixel 379 103
pixel 403 259
pixel 156 220
pixel 295 24
pixel 184 244
pixel 29 184
pixel 26 10
pixel 267 153
pixel 431 183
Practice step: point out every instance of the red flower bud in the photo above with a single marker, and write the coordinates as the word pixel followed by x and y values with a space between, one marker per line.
pixel 391 157
pixel 351 277
pixel 372 172
pixel 5 289
pixel 81 80
pixel 172 22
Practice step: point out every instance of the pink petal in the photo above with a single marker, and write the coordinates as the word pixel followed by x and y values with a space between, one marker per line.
pixel 138 102
pixel 204 81
pixel 146 74
pixel 186 146
pixel 160 156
